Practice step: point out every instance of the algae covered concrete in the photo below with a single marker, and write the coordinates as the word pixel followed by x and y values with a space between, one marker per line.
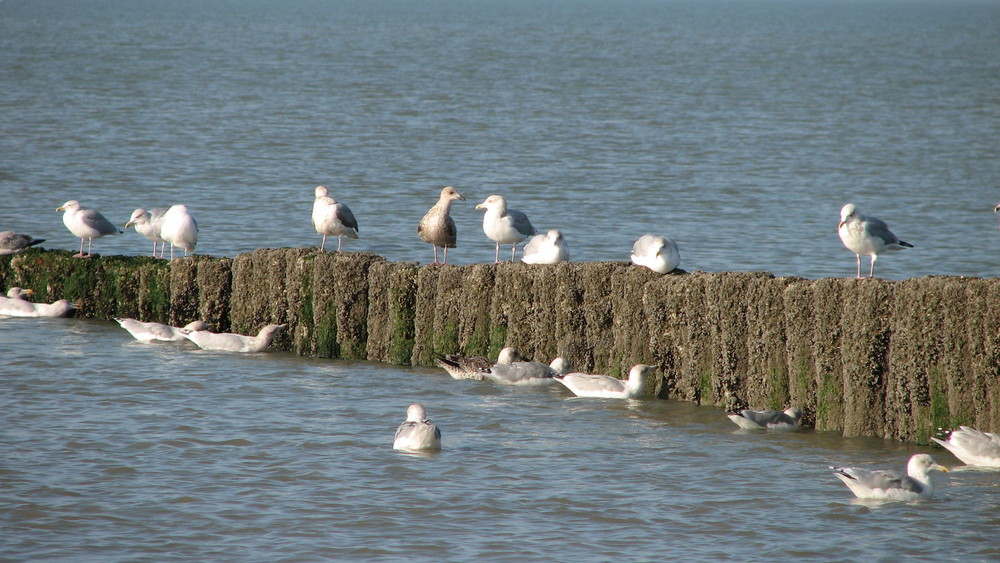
pixel 895 359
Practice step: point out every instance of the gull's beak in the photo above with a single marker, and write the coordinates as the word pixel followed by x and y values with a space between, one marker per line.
pixel 60 208
pixel 940 468
pixel 28 291
pixel 997 208
pixel 840 225
pixel 129 224
pixel 480 206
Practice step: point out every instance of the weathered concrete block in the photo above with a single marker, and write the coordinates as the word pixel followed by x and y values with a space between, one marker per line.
pixel 391 311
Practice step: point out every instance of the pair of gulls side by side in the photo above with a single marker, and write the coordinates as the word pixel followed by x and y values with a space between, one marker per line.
pixel 15 304
pixel 174 225
pixel 198 333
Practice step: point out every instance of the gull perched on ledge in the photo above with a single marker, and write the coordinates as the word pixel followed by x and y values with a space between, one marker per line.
pixel 87 224
pixel 657 253
pixel 437 227
pixel 148 224
pixel 332 218
pixel 502 225
pixel 869 236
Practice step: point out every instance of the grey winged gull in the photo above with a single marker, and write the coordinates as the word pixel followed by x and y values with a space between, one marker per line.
pixel 150 332
pixel 417 433
pixel 869 236
pixel 15 305
pixel 179 229
pixel 503 225
pixel 437 227
pixel 981 449
pixel 657 253
pixel 522 372
pixel 767 419
pixel 549 248
pixel 87 224
pixel 606 387
pixel 883 484
pixel 13 243
pixel 332 218
pixel 148 224
pixel 230 342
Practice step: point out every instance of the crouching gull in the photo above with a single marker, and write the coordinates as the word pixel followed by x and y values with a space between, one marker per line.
pixel 550 248
pixel 607 387
pixel 657 253
pixel 973 447
pixel 891 485
pixel 229 342
pixel 768 419
pixel 417 433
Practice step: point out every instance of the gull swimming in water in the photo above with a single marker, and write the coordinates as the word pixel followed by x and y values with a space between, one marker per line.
pixel 15 305
pixel 149 332
pixel 148 224
pixel 331 218
pixel 523 372
pixel 417 433
pixel 230 342
pixel 892 485
pixel 973 447
pixel 869 236
pixel 471 367
pixel 87 224
pixel 13 243
pixel 437 227
pixel 179 229
pixel 502 225
pixel 768 419
pixel 657 253
pixel 550 248
pixel 606 387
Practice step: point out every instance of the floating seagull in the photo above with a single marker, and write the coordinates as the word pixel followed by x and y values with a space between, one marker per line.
pixel 12 243
pixel 866 235
pixel 769 419
pixel 229 342
pixel 15 305
pixel 87 224
pixel 148 224
pixel 331 218
pixel 550 248
pixel 417 433
pixel 437 227
pixel 502 225
pixel 892 485
pixel 657 253
pixel 973 447
pixel 148 332
pixel 179 229
pixel 606 387
pixel 520 372
pixel 471 367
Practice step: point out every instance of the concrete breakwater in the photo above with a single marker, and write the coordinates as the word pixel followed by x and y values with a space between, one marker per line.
pixel 893 359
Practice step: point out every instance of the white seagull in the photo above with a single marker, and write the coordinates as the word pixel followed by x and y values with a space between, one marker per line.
pixel 13 243
pixel 973 447
pixel 87 224
pixel 657 253
pixel 15 305
pixel 149 332
pixel 179 229
pixel 230 342
pixel 606 387
pixel 437 227
pixel 502 225
pixel 148 224
pixel 767 419
pixel 891 485
pixel 417 433
pixel 331 218
pixel 869 236
pixel 550 248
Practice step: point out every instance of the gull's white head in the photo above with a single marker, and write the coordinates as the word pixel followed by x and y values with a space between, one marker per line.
pixel 321 191
pixel 847 211
pixel 494 202
pixel 416 413
pixel 137 216
pixel 560 365
pixel 920 465
pixel 71 205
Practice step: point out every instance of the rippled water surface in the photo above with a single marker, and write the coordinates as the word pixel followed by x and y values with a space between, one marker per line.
pixel 737 128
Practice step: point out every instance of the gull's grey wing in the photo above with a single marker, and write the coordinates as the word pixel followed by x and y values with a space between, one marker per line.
pixel 520 222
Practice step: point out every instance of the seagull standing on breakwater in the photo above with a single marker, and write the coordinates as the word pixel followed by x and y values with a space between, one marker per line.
pixel 657 253
pixel 87 224
pixel 502 225
pixel 866 235
pixel 179 229
pixel 148 224
pixel 437 227
pixel 332 218
pixel 550 248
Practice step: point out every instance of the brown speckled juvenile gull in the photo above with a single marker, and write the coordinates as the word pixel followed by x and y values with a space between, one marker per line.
pixel 471 367
pixel 437 227
pixel 12 243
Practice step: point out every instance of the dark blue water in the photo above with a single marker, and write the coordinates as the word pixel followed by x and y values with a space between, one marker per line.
pixel 737 128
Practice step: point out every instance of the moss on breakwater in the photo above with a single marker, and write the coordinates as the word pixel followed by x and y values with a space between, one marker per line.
pixel 864 357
